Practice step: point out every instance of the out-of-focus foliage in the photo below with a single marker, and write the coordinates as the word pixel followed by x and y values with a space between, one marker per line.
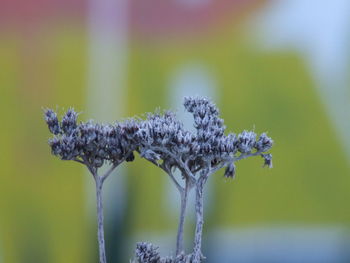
pixel 42 202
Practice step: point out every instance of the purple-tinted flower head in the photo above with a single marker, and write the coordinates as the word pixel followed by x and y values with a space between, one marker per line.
pixel 130 128
pixel 68 147
pixel 69 121
pixel 91 143
pixel 205 113
pixel 52 121
pixel 246 141
pixel 264 143
pixel 231 140
pixel 55 145
pixel 163 130
pixel 147 253
pixel 210 128
pixel 200 106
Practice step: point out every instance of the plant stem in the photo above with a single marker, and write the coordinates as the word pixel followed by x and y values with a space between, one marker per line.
pixel 197 250
pixel 100 230
pixel 180 231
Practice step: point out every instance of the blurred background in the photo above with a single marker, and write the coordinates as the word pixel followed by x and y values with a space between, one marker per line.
pixel 276 66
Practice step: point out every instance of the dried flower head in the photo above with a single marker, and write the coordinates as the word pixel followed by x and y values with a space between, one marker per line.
pixel 163 137
pixel 264 143
pixel 246 141
pixel 146 253
pixel 216 148
pixel 88 142
pixel 52 121
pixel 69 121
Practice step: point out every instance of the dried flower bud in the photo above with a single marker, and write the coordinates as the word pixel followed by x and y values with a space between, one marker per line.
pixel 230 171
pixel 231 143
pixel 246 141
pixel 264 143
pixel 200 106
pixel 146 253
pixel 69 121
pixel 130 128
pixel 130 157
pixel 68 148
pixel 150 155
pixel 52 121
pixel 267 160
pixel 55 145
pixel 94 143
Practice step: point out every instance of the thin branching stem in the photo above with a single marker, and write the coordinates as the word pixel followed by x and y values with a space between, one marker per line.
pixel 197 250
pixel 178 161
pixel 178 186
pixel 79 161
pixel 109 171
pixel 172 177
pixel 180 231
pixel 100 228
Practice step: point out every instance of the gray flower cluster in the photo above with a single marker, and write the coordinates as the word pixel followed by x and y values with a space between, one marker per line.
pixel 166 143
pixel 216 148
pixel 88 142
pixel 148 253
pixel 160 137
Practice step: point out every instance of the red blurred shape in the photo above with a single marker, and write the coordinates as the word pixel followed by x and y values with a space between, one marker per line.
pixel 24 13
pixel 153 18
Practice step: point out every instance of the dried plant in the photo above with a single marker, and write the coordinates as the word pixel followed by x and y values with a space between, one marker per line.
pixel 215 151
pixel 92 145
pixel 161 139
pixel 166 143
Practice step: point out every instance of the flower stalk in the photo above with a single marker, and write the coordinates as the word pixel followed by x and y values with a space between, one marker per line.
pixel 100 227
pixel 180 231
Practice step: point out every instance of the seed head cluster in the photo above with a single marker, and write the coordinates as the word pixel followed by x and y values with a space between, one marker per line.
pixel 89 142
pixel 148 253
pixel 163 137
pixel 160 136
pixel 216 148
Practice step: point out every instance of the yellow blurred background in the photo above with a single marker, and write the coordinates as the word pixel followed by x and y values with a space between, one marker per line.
pixel 276 66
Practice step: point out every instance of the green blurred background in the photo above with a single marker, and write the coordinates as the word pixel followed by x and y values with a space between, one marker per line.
pixel 276 66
